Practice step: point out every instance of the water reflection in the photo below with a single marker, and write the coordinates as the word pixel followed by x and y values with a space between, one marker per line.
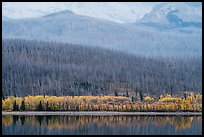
pixel 102 124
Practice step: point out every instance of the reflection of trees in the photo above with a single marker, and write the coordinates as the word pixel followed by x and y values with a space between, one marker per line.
pixel 7 120
pixel 39 118
pixel 85 122
pixel 22 118
pixel 15 119
pixel 180 122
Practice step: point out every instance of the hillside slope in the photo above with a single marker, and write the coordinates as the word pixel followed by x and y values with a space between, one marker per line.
pixel 36 67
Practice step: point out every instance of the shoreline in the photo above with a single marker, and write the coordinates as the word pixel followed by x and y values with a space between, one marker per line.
pixel 102 113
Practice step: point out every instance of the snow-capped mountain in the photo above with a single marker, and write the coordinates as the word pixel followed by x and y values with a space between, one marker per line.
pixel 168 15
pixel 102 25
pixel 68 27
pixel 120 12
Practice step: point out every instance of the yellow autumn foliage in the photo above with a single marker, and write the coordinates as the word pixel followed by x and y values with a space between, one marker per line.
pixel 105 103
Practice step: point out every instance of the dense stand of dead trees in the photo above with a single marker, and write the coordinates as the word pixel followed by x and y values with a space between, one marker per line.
pixel 36 67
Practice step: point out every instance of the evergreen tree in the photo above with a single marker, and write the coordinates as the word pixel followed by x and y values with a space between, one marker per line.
pixel 136 93
pixel 22 108
pixel 40 107
pixel 3 97
pixel 185 95
pixel 133 99
pixel 17 107
pixel 47 106
pixel 14 106
pixel 141 96
pixel 59 108
pixel 127 95
pixel 116 94
pixel 67 106
pixel 77 108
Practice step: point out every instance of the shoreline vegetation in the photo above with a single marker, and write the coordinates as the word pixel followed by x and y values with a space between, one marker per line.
pixel 165 103
pixel 102 113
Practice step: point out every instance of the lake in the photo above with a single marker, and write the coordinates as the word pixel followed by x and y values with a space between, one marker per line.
pixel 101 125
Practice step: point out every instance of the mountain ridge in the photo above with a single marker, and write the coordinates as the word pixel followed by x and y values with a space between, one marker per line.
pixel 78 29
pixel 32 67
pixel 112 11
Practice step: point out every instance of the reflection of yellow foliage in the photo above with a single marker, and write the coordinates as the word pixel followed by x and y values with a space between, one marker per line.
pixel 7 120
pixel 76 122
pixel 178 125
pixel 184 124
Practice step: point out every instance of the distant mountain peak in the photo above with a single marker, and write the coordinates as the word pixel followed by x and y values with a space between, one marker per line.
pixel 173 15
pixel 60 13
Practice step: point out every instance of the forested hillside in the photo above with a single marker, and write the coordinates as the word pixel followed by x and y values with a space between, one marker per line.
pixel 37 67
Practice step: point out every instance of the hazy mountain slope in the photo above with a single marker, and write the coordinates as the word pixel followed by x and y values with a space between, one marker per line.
pixel 68 27
pixel 121 12
pixel 34 67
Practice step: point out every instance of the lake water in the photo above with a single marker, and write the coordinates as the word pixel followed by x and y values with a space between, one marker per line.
pixel 101 125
